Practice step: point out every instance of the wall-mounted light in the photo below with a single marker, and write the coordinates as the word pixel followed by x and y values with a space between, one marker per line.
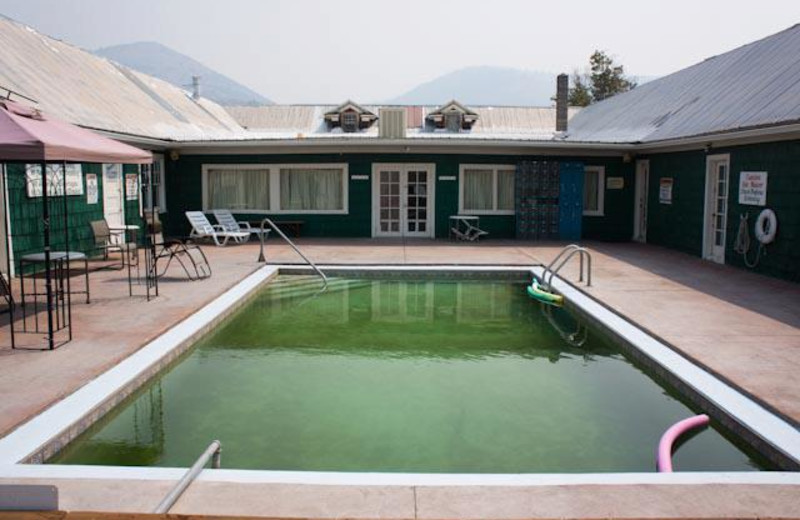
pixel 707 147
pixel 626 158
pixel 174 155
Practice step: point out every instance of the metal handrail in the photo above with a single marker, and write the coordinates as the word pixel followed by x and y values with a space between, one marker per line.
pixel 214 450
pixel 570 251
pixel 262 258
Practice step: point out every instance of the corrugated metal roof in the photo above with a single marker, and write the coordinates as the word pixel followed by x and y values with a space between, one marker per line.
pixel 85 89
pixel 751 86
pixel 289 121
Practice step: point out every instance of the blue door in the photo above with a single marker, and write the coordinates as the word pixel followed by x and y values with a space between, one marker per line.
pixel 570 200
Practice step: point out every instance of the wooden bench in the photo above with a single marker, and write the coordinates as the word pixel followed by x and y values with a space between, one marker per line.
pixel 293 226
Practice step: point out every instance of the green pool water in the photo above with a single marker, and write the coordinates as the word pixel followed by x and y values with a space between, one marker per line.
pixel 390 376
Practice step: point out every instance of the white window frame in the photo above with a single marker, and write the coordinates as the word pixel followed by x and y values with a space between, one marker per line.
pixel 494 167
pixel 162 190
pixel 601 191
pixel 274 172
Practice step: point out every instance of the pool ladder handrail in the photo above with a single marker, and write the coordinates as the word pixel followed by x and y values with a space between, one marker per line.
pixel 213 452
pixel 262 258
pixel 554 266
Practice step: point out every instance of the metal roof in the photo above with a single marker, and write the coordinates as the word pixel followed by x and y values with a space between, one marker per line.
pixel 306 121
pixel 91 91
pixel 753 86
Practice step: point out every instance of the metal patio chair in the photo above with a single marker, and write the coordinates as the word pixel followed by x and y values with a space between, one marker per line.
pixel 189 256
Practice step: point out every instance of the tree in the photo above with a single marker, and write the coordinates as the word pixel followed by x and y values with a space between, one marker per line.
pixel 604 80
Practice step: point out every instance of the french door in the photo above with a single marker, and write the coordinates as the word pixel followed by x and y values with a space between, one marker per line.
pixel 403 200
pixel 716 207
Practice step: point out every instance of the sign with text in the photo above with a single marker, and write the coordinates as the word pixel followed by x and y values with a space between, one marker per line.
pixel 753 188
pixel 91 188
pixel 131 186
pixel 56 179
pixel 615 183
pixel 665 190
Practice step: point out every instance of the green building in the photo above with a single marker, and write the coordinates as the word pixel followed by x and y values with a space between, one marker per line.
pixel 677 162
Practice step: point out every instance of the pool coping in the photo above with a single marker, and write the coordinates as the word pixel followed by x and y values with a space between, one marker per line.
pixel 35 440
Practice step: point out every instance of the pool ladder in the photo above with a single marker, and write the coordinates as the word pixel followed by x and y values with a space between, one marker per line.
pixel 262 258
pixel 561 260
pixel 213 452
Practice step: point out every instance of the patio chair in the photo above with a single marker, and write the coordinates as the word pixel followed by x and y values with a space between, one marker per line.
pixel 109 241
pixel 189 256
pixel 226 219
pixel 5 292
pixel 202 228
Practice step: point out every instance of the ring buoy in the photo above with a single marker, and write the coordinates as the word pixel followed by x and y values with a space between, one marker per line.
pixel 766 226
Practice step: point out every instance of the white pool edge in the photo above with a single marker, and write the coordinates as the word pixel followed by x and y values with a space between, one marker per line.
pixel 30 436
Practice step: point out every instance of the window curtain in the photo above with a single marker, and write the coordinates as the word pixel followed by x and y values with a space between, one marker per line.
pixel 311 189
pixel 505 190
pixel 238 189
pixel 590 189
pixel 478 192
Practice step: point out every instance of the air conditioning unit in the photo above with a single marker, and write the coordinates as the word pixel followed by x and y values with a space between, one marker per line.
pixel 392 123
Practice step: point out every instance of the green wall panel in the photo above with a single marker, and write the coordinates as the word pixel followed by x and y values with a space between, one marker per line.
pixel 680 225
pixel 26 215
pixel 184 193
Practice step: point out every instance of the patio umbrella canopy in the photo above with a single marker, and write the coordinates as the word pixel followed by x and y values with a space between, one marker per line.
pixel 28 135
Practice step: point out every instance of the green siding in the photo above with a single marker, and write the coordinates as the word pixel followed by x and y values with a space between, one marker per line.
pixel 184 193
pixel 26 215
pixel 680 224
pixel 617 222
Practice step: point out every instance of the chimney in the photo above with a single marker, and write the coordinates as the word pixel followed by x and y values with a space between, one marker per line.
pixel 562 91
pixel 195 87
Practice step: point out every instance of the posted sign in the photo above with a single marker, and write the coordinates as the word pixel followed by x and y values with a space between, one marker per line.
pixel 665 190
pixel 753 188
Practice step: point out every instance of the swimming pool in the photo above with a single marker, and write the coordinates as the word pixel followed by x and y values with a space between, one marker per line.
pixel 421 376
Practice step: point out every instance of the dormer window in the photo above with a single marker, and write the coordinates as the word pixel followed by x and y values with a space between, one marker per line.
pixel 350 117
pixel 452 117
pixel 350 121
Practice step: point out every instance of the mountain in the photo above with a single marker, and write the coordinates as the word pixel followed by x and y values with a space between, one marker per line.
pixel 162 62
pixel 489 86
pixel 485 86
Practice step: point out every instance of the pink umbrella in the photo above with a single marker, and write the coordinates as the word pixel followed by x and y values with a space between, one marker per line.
pixel 28 135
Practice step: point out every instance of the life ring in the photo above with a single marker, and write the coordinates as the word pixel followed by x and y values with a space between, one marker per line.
pixel 766 226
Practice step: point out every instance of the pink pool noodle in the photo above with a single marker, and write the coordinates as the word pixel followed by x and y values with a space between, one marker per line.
pixel 664 455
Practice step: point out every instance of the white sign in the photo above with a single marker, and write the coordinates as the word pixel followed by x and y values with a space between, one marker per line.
pixel 55 179
pixel 131 186
pixel 753 188
pixel 91 188
pixel 615 183
pixel 665 190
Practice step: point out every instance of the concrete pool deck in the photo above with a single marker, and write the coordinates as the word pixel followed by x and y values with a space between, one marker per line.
pixel 743 327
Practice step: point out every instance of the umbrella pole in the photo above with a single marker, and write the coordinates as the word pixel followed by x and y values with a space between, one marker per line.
pixel 48 281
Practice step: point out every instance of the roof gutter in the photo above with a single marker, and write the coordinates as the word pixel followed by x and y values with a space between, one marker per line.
pixel 716 140
pixel 141 141
pixel 321 145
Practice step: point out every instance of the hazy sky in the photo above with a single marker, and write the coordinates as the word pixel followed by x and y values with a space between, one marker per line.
pixel 325 51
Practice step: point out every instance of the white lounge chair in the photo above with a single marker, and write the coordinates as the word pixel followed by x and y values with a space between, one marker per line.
pixel 226 219
pixel 202 228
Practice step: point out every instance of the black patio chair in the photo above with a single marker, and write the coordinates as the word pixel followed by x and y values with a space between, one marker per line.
pixel 188 255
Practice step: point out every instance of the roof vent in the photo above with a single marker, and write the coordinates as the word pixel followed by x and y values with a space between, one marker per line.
pixel 392 123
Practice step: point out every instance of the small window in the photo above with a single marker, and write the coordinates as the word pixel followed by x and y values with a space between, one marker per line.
pixel 349 121
pixel 487 189
pixel 594 191
pixel 154 173
pixel 453 122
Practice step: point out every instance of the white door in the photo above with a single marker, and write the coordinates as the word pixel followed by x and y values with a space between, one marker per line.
pixel 716 207
pixel 113 197
pixel 403 200
pixel 640 210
